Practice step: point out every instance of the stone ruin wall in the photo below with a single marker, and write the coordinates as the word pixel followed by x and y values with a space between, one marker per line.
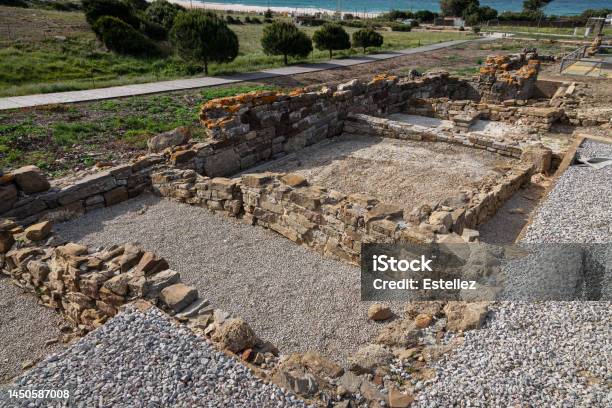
pixel 247 129
pixel 252 128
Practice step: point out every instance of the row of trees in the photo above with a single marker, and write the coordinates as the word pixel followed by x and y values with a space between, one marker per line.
pixel 136 27
pixel 281 38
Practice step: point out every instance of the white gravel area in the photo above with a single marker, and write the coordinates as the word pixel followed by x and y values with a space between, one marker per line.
pixel 543 354
pixel 579 209
pixel 552 354
pixel 289 294
pixel 28 331
pixel 142 359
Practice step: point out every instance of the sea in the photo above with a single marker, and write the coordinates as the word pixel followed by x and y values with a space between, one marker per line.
pixel 556 7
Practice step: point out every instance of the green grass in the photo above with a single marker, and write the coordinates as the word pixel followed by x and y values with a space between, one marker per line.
pixel 33 63
pixel 58 138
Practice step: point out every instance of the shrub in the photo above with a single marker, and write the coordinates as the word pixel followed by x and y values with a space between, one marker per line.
pixel 331 37
pixel 475 29
pixel 140 5
pixel 268 14
pixel 201 36
pixel 367 37
pixel 425 16
pixel 94 9
pixel 280 38
pixel 121 37
pixel 153 30
pixel 400 27
pixel 163 13
pixel 14 3
pixel 232 20
pixel 455 8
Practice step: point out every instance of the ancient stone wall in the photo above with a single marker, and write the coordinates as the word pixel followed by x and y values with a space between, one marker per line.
pixel 251 128
pixel 330 222
pixel 504 77
pixel 510 111
pixel 27 196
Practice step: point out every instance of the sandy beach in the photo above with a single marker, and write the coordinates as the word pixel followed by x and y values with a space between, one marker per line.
pixel 260 9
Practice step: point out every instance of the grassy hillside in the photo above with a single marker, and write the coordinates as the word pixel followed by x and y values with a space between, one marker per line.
pixel 50 51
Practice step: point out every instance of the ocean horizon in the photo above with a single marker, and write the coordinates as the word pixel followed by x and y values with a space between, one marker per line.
pixel 557 7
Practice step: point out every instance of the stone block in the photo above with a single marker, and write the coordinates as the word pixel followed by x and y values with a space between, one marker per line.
pixel 178 296
pixel 116 196
pixel 225 162
pixel 40 231
pixel 30 179
pixel 95 184
pixel 171 138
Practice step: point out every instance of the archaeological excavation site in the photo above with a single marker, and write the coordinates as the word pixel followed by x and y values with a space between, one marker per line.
pixel 232 266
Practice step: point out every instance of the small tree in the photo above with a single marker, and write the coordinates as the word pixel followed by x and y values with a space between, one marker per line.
pixel 94 9
pixel 121 37
pixel 367 37
pixel 535 5
pixel 163 12
pixel 280 38
pixel 456 8
pixel 331 37
pixel 203 37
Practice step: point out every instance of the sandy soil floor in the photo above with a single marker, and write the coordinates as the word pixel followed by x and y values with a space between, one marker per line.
pixel 405 173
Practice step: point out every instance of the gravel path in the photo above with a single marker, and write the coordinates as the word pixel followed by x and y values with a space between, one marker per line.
pixel 402 172
pixel 289 294
pixel 25 329
pixel 548 354
pixel 143 360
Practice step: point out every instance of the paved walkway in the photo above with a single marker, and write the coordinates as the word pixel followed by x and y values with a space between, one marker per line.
pixel 25 101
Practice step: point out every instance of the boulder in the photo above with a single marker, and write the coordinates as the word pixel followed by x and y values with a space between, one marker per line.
pixel 150 264
pixel 178 296
pixel 321 366
pixel 423 320
pixel 400 333
pixel 162 141
pixel 30 179
pixel 398 399
pixel 378 312
pixel 368 358
pixel 462 316
pixel 40 231
pixel 234 334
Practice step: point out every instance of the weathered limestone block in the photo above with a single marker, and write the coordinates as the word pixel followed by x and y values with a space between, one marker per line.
pixel 95 184
pixel 118 284
pixel 178 296
pixel 462 316
pixel 150 264
pixel 30 179
pixel 157 282
pixel 223 163
pixel 40 231
pixel 235 335
pixel 116 196
pixel 539 156
pixel 175 137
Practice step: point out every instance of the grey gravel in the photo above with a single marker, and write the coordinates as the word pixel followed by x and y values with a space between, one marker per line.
pixel 543 354
pixel 531 355
pixel 579 209
pixel 142 359
pixel 27 330
pixel 289 294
